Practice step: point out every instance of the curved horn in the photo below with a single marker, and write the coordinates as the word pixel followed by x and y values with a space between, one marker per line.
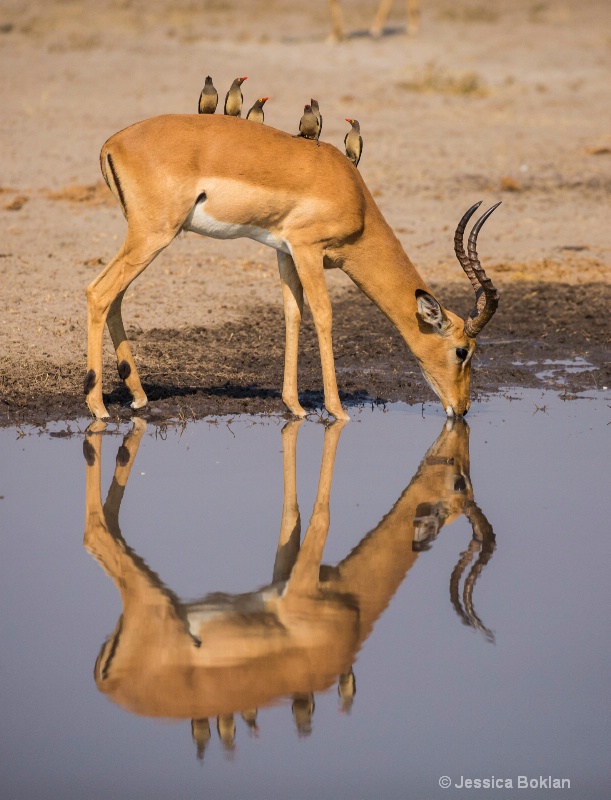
pixel 483 540
pixel 486 296
pixel 459 248
pixel 482 532
pixel 463 562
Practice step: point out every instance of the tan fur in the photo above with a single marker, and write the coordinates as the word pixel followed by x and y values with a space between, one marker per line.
pixel 309 197
pixel 381 15
pixel 227 654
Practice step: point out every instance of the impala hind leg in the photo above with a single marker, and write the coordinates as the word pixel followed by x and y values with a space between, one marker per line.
pixel 310 271
pixel 126 365
pixel 104 297
pixel 292 296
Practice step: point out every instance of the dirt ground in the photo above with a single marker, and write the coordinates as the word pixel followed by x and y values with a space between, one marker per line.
pixel 489 101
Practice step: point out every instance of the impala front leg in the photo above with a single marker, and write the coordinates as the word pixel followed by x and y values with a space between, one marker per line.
pixel 292 296
pixel 310 271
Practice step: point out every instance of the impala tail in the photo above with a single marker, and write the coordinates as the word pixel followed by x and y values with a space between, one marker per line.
pixel 223 177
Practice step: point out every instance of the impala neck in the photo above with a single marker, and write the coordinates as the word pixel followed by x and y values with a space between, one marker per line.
pixel 379 266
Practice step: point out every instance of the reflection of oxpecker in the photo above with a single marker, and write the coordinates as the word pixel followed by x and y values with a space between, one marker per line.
pixel 346 689
pixel 225 725
pixel 250 718
pixel 303 710
pixel 224 655
pixel 200 732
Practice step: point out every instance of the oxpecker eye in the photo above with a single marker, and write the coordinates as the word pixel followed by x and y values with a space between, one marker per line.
pixel 461 353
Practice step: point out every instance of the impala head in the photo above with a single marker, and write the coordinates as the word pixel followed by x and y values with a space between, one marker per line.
pixel 449 342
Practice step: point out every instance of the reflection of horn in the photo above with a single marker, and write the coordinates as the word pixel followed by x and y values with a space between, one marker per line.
pixel 483 540
pixel 229 654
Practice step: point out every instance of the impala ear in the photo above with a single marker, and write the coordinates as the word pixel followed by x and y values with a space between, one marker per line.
pixel 430 311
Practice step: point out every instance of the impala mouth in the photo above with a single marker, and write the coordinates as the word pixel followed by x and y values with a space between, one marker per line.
pixel 451 413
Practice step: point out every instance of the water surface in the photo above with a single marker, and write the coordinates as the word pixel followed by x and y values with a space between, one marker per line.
pixel 186 646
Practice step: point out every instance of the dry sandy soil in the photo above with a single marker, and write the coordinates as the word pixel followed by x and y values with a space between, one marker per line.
pixel 490 101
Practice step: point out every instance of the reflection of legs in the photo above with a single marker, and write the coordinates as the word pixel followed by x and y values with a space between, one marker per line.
pixel 310 270
pixel 290 527
pixel 292 296
pixel 98 519
pixel 305 575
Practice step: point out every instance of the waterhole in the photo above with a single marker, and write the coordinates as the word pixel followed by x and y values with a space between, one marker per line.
pixel 319 610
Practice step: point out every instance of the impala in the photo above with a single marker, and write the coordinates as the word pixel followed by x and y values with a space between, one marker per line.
pixel 377 26
pixel 229 654
pixel 225 177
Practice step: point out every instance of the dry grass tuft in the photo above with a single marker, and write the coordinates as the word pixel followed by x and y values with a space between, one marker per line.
pixel 17 203
pixel 509 184
pixel 470 14
pixel 435 79
pixel 95 194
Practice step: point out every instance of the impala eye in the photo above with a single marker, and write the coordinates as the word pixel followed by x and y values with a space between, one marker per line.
pixel 461 353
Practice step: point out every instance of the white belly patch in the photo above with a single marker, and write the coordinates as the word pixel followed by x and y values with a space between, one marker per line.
pixel 200 222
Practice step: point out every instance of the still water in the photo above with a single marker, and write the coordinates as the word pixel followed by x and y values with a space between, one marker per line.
pixel 198 642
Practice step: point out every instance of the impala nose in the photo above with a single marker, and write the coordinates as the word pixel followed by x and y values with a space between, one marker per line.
pixel 452 413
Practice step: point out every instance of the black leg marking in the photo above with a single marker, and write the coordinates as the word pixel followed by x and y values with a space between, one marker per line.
pixel 124 370
pixel 89 382
pixel 89 453
pixel 115 178
pixel 122 456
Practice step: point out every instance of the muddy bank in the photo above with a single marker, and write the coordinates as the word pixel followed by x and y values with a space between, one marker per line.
pixel 235 368
pixel 511 104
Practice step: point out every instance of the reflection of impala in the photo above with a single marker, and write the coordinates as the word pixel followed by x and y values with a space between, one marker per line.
pixel 224 177
pixel 227 654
